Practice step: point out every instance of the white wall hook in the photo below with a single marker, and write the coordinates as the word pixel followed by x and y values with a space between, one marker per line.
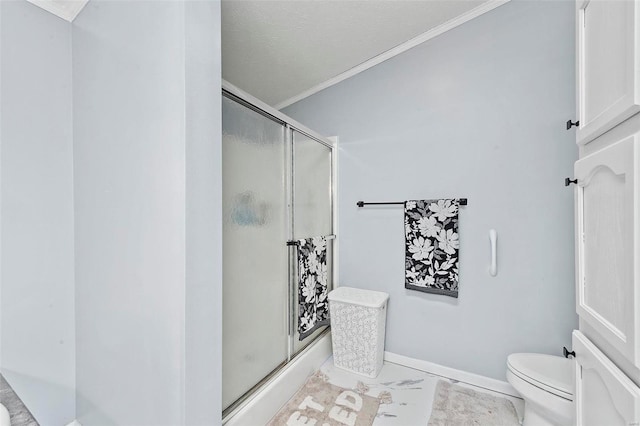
pixel 493 238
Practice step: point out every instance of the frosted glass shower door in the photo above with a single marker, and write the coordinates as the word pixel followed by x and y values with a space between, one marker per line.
pixel 312 206
pixel 255 274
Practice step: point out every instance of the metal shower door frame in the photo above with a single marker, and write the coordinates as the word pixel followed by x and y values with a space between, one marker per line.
pixel 290 126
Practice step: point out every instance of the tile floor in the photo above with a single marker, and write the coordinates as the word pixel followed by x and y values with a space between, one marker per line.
pixel 411 391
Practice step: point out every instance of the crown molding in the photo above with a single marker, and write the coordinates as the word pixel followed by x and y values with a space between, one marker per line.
pixel 434 32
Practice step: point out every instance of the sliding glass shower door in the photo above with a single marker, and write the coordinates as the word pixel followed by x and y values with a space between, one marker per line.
pixel 255 270
pixel 312 206
pixel 277 186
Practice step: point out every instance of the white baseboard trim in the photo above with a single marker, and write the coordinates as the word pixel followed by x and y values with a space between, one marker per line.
pixel 74 423
pixel 267 401
pixel 451 373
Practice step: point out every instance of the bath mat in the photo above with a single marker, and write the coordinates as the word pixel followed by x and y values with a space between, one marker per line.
pixel 454 405
pixel 313 309
pixel 327 404
pixel 431 246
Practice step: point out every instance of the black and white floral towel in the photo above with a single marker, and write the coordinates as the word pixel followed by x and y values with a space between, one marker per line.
pixel 431 246
pixel 312 285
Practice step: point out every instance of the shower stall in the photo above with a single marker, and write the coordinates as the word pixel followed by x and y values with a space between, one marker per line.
pixel 277 187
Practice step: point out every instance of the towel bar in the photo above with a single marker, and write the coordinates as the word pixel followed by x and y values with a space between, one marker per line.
pixel 463 202
pixel 295 243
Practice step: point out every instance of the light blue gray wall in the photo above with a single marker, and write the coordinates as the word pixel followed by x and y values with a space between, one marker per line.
pixel 147 177
pixel 477 112
pixel 203 356
pixel 36 281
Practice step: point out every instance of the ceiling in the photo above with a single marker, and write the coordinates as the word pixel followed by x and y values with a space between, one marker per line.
pixel 65 9
pixel 282 51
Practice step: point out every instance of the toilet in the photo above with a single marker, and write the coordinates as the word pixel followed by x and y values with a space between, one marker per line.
pixel 546 384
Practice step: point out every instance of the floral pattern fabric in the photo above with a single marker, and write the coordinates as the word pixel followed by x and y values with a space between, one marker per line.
pixel 313 305
pixel 432 245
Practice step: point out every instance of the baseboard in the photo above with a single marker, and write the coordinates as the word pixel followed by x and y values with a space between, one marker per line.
pixel 267 401
pixel 451 373
pixel 74 423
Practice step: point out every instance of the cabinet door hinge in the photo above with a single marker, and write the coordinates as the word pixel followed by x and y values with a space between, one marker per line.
pixel 570 124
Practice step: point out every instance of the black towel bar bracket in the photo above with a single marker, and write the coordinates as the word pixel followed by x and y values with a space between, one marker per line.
pixel 568 181
pixel 463 202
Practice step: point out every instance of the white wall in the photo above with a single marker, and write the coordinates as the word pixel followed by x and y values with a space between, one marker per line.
pixel 147 181
pixel 37 283
pixel 477 112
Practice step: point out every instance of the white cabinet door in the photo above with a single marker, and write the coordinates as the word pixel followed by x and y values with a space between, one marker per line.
pixel 607 287
pixel 603 394
pixel 608 71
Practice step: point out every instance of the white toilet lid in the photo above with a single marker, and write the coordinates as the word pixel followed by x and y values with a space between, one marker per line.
pixel 551 373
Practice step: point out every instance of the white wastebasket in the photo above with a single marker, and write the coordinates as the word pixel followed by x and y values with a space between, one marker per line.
pixel 357 329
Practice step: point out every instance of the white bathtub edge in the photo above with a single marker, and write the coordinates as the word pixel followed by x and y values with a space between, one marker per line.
pixel 266 403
